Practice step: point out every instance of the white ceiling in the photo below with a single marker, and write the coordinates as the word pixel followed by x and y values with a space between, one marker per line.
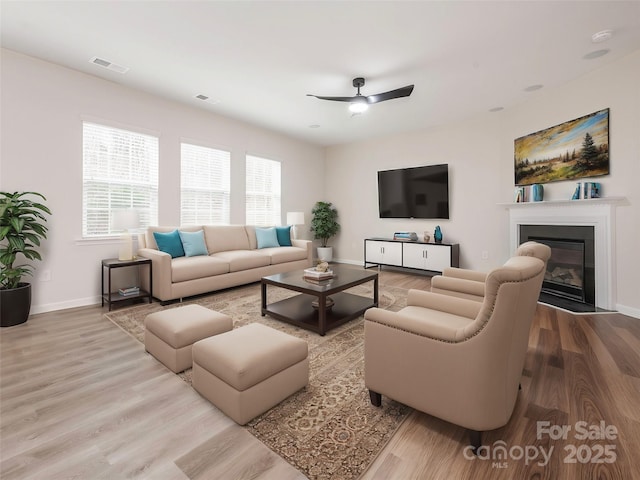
pixel 260 59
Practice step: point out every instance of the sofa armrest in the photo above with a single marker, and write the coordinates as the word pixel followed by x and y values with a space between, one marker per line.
pixel 307 245
pixel 444 303
pixel 464 274
pixel 161 263
pixel 142 240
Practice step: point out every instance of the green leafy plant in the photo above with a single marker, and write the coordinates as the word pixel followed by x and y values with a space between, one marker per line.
pixel 21 229
pixel 324 224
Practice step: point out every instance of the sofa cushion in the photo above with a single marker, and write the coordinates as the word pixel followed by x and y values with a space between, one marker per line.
pixel 169 243
pixel 284 236
pixel 193 243
pixel 285 254
pixel 239 260
pixel 191 268
pixel 222 238
pixel 150 241
pixel 251 234
pixel 267 237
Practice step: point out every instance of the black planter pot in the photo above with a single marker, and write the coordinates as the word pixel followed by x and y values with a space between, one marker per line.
pixel 15 304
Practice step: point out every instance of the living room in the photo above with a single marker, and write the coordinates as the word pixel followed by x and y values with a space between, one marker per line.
pixel 44 105
pixel 42 97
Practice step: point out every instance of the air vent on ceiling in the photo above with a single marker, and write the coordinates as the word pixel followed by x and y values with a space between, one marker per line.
pixel 205 98
pixel 109 65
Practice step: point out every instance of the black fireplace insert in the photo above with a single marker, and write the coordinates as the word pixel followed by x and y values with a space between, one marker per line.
pixel 570 275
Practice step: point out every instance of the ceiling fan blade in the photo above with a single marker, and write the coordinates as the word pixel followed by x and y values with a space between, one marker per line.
pixel 335 99
pixel 397 93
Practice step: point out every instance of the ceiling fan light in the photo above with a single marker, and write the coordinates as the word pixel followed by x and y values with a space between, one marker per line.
pixel 358 107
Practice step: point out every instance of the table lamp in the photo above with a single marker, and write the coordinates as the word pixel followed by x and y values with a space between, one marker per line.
pixel 125 220
pixel 294 219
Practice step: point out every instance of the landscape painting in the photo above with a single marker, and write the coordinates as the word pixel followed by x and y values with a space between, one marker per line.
pixel 575 149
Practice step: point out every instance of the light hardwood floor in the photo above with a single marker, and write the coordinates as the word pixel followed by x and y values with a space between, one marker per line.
pixel 79 398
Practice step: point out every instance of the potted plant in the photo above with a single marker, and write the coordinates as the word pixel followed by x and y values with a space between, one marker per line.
pixel 21 229
pixel 324 226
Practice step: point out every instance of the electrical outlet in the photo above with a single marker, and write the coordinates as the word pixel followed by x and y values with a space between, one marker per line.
pixel 45 276
pixel 485 255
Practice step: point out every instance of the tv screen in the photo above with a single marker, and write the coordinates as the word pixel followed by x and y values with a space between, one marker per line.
pixel 418 192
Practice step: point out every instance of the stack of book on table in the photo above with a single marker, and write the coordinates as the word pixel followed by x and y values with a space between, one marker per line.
pixel 313 275
pixel 129 291
pixel 406 236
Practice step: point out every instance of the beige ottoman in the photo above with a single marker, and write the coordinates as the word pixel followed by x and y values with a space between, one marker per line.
pixel 247 371
pixel 169 335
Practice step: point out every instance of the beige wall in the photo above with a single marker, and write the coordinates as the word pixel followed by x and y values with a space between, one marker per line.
pixel 43 106
pixel 480 157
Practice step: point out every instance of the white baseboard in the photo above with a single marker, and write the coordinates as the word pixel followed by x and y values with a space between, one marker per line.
pixel 349 262
pixel 52 307
pixel 89 301
pixel 632 312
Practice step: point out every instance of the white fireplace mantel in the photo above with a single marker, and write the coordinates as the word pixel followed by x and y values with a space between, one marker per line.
pixel 596 212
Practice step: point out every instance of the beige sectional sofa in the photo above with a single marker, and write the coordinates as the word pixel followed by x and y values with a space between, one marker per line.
pixel 233 259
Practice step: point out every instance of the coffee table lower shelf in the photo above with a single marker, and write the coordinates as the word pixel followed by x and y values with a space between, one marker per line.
pixel 298 310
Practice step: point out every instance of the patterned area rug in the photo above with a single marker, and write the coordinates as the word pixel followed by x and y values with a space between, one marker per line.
pixel 328 430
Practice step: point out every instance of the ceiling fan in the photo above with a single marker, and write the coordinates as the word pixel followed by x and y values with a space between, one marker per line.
pixel 359 103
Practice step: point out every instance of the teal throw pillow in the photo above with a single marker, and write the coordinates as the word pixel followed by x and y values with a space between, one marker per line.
pixel 169 243
pixel 267 237
pixel 284 236
pixel 193 243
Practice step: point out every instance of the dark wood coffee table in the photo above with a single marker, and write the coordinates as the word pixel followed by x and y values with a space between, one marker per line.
pixel 298 310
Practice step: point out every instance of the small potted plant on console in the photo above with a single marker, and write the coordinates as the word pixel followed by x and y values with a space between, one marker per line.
pixel 324 226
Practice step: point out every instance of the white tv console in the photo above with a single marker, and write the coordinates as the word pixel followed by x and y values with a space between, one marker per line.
pixel 432 257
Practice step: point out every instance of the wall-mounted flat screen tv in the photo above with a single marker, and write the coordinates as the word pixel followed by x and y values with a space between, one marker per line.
pixel 418 192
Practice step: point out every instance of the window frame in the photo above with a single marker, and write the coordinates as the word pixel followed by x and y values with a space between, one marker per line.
pixel 107 160
pixel 225 189
pixel 275 215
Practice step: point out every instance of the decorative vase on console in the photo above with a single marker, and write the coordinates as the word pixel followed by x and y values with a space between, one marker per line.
pixel 437 235
pixel 537 192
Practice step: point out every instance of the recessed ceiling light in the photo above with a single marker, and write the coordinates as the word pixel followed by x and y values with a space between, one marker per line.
pixel 496 109
pixel 315 125
pixel 596 54
pixel 533 88
pixel 602 36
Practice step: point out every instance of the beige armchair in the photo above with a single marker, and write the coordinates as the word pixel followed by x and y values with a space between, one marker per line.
pixel 456 359
pixel 469 284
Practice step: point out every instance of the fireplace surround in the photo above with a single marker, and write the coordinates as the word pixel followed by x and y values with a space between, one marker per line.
pixel 599 214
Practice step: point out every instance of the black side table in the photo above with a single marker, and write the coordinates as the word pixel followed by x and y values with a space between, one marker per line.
pixel 114 297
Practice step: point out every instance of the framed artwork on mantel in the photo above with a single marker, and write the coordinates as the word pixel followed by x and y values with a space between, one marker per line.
pixel 575 149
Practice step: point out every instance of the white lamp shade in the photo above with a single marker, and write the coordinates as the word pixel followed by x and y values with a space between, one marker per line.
pixel 295 218
pixel 125 219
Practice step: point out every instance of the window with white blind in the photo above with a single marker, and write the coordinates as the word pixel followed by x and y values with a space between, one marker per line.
pixel 204 185
pixel 119 171
pixel 262 200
